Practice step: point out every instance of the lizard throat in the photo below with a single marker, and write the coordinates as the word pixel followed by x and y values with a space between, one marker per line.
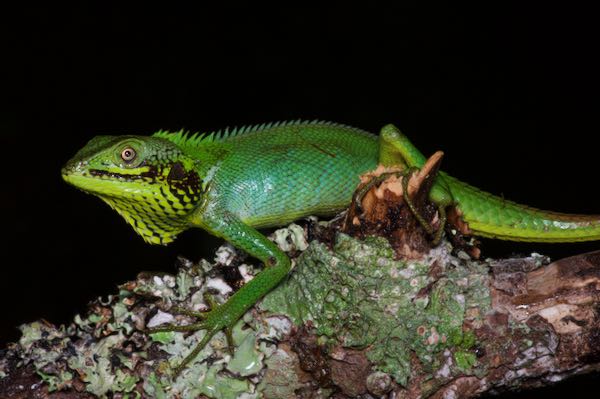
pixel 155 223
pixel 156 203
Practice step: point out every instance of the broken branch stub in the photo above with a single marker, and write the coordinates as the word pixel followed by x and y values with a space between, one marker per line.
pixel 382 210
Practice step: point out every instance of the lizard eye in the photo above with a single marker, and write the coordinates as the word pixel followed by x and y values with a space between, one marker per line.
pixel 128 154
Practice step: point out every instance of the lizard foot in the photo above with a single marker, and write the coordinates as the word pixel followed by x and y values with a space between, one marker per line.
pixel 213 321
pixel 436 234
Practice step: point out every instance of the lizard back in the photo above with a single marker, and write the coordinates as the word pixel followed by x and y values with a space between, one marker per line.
pixel 275 175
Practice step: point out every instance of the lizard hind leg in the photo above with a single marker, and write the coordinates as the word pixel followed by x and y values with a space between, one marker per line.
pixel 395 149
pixel 409 202
pixel 437 238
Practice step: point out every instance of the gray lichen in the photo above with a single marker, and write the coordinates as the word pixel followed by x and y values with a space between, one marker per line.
pixel 356 294
pixel 352 295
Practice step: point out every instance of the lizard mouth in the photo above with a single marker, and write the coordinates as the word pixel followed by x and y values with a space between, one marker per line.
pixel 99 184
pixel 84 182
pixel 100 181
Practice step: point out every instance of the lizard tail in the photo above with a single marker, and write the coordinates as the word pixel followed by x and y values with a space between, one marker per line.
pixel 494 217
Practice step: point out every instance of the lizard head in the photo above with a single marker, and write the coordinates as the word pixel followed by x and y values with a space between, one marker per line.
pixel 147 180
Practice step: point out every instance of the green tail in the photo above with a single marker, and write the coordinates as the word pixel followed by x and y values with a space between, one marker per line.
pixel 494 217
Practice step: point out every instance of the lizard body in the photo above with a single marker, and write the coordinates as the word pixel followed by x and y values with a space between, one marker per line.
pixel 233 183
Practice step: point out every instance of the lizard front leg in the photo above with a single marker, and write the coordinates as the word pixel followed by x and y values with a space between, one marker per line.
pixel 224 316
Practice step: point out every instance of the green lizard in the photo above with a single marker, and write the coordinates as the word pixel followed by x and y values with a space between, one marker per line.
pixel 233 183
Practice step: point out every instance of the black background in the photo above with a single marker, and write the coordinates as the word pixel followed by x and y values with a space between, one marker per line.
pixel 509 93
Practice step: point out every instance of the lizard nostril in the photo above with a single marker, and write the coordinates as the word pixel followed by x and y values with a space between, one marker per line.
pixel 72 167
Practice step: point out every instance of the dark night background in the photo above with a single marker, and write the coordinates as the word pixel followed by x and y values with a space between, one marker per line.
pixel 509 93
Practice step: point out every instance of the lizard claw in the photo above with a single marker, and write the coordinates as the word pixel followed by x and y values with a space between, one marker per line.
pixel 188 312
pixel 175 328
pixel 203 314
pixel 229 336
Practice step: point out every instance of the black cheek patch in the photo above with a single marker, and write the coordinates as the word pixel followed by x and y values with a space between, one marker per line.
pixel 177 172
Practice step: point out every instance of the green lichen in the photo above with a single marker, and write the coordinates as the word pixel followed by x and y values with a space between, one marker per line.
pixel 163 337
pixel 359 296
pixel 354 295
pixel 96 369
pixel 124 382
pixel 247 359
pixel 218 386
pixel 154 387
pixel 200 378
pixel 96 348
pixel 464 360
pixel 55 382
